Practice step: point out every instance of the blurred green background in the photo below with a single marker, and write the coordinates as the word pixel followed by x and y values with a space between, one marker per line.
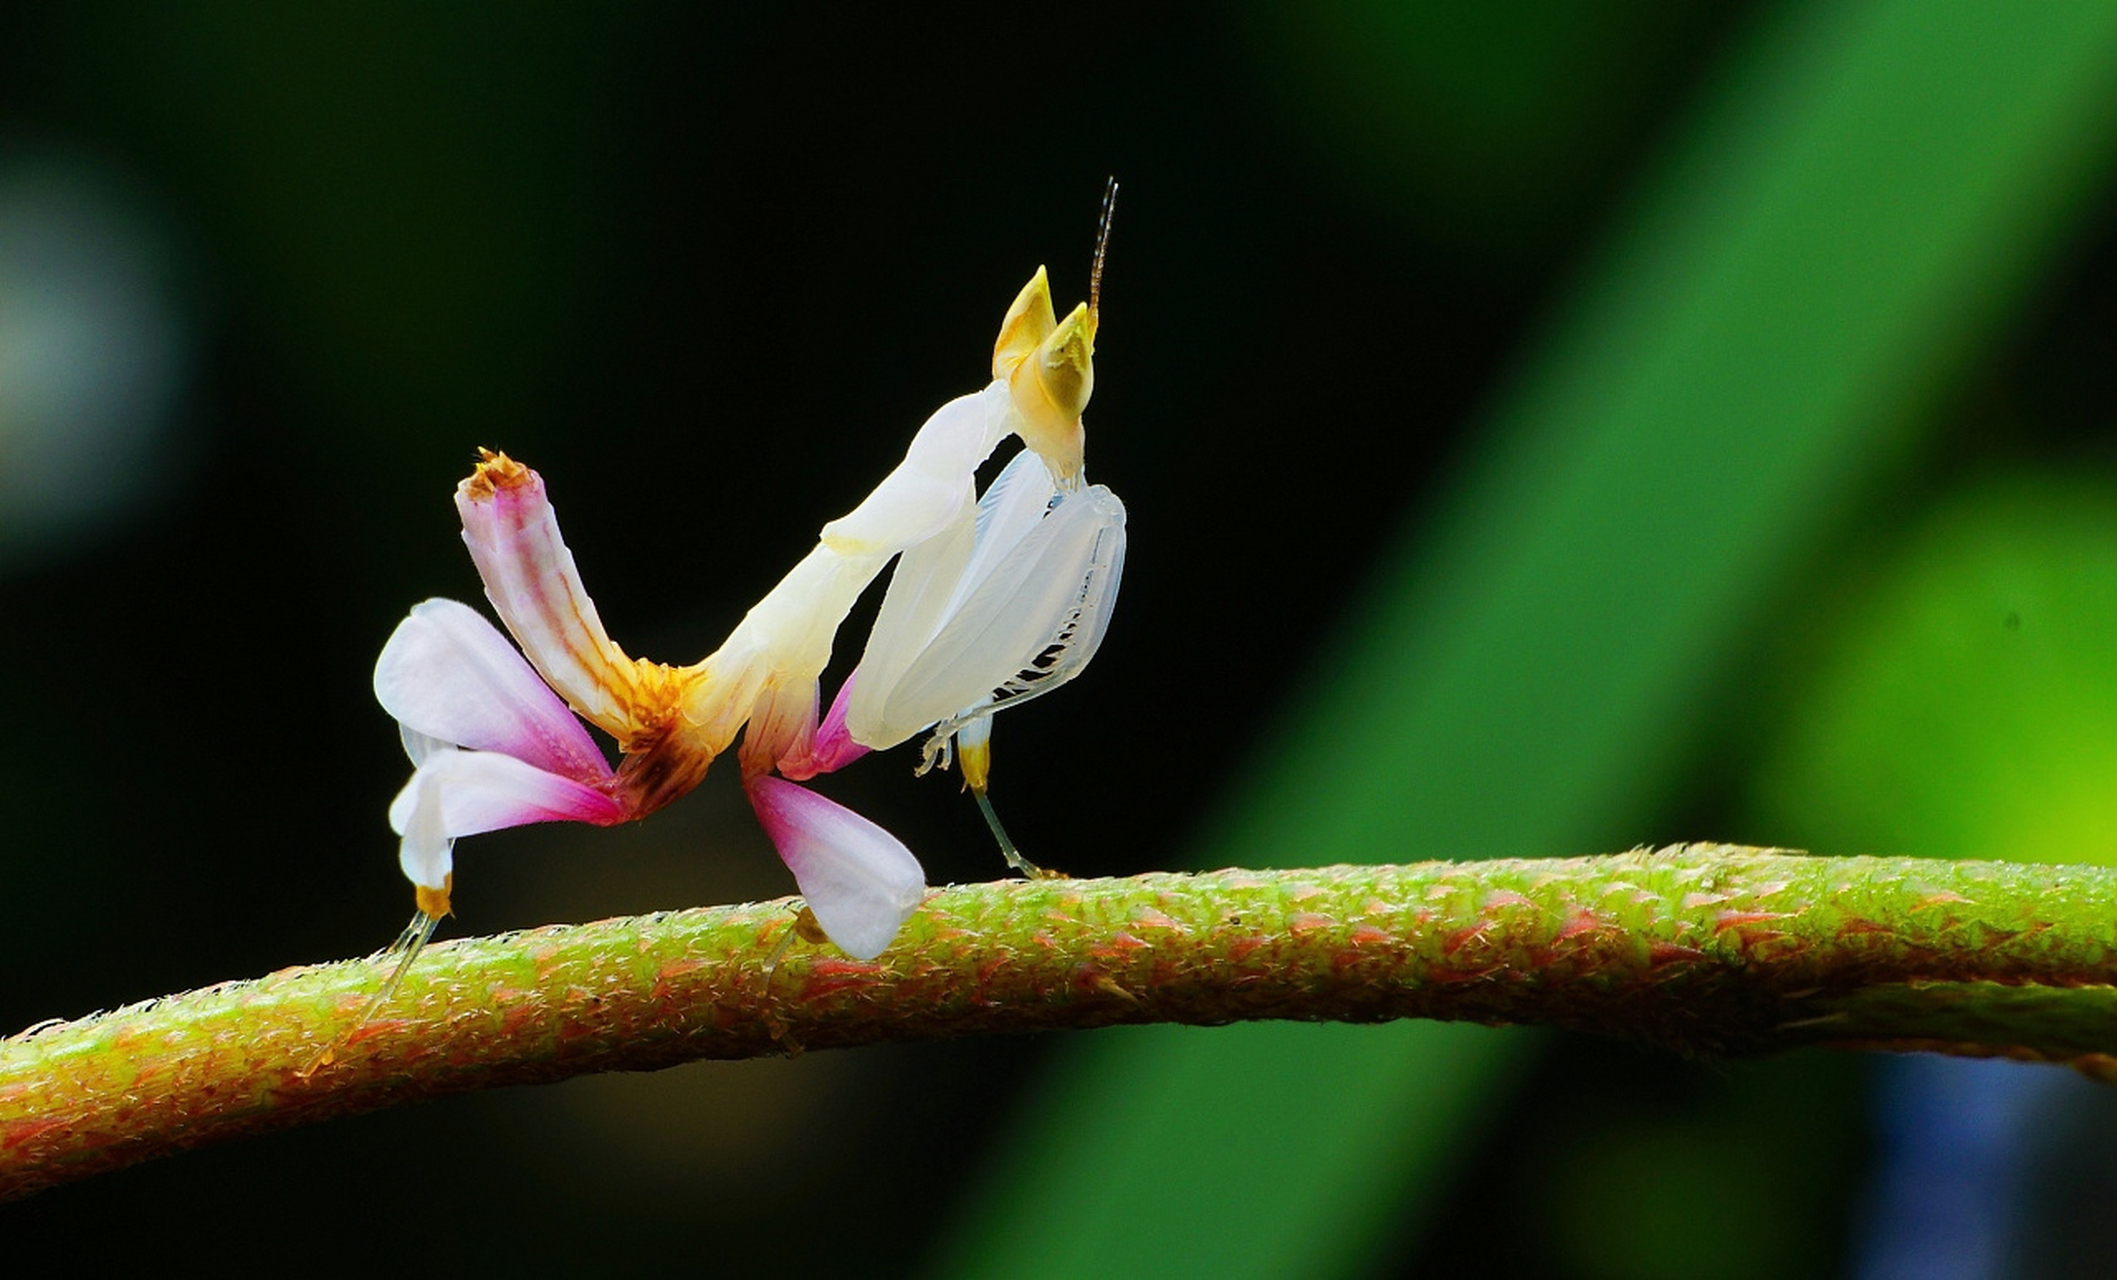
pixel 1547 427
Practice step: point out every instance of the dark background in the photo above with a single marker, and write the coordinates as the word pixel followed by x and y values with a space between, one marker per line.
pixel 707 271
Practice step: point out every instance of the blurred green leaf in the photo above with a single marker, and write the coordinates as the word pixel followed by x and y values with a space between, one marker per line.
pixel 1853 213
pixel 1967 706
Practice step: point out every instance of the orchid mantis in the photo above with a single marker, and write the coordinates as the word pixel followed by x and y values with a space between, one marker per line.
pixel 996 599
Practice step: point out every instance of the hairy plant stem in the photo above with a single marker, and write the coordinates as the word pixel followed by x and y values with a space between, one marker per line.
pixel 1702 949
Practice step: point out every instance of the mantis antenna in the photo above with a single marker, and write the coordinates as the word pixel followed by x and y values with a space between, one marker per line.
pixel 1102 248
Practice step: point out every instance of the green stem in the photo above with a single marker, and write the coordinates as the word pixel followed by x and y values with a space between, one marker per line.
pixel 1701 949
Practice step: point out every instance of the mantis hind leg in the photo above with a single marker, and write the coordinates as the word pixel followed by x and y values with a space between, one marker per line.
pixel 1008 850
pixel 410 942
pixel 973 739
pixel 407 947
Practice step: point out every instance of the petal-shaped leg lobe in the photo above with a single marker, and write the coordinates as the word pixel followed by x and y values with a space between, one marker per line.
pixel 530 577
pixel 478 791
pixel 448 674
pixel 425 852
pixel 829 747
pixel 860 880
pixel 835 747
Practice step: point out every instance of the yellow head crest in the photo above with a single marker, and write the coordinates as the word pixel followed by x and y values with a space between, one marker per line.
pixel 1049 364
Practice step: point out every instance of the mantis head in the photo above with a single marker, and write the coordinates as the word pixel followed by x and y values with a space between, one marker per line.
pixel 1048 365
